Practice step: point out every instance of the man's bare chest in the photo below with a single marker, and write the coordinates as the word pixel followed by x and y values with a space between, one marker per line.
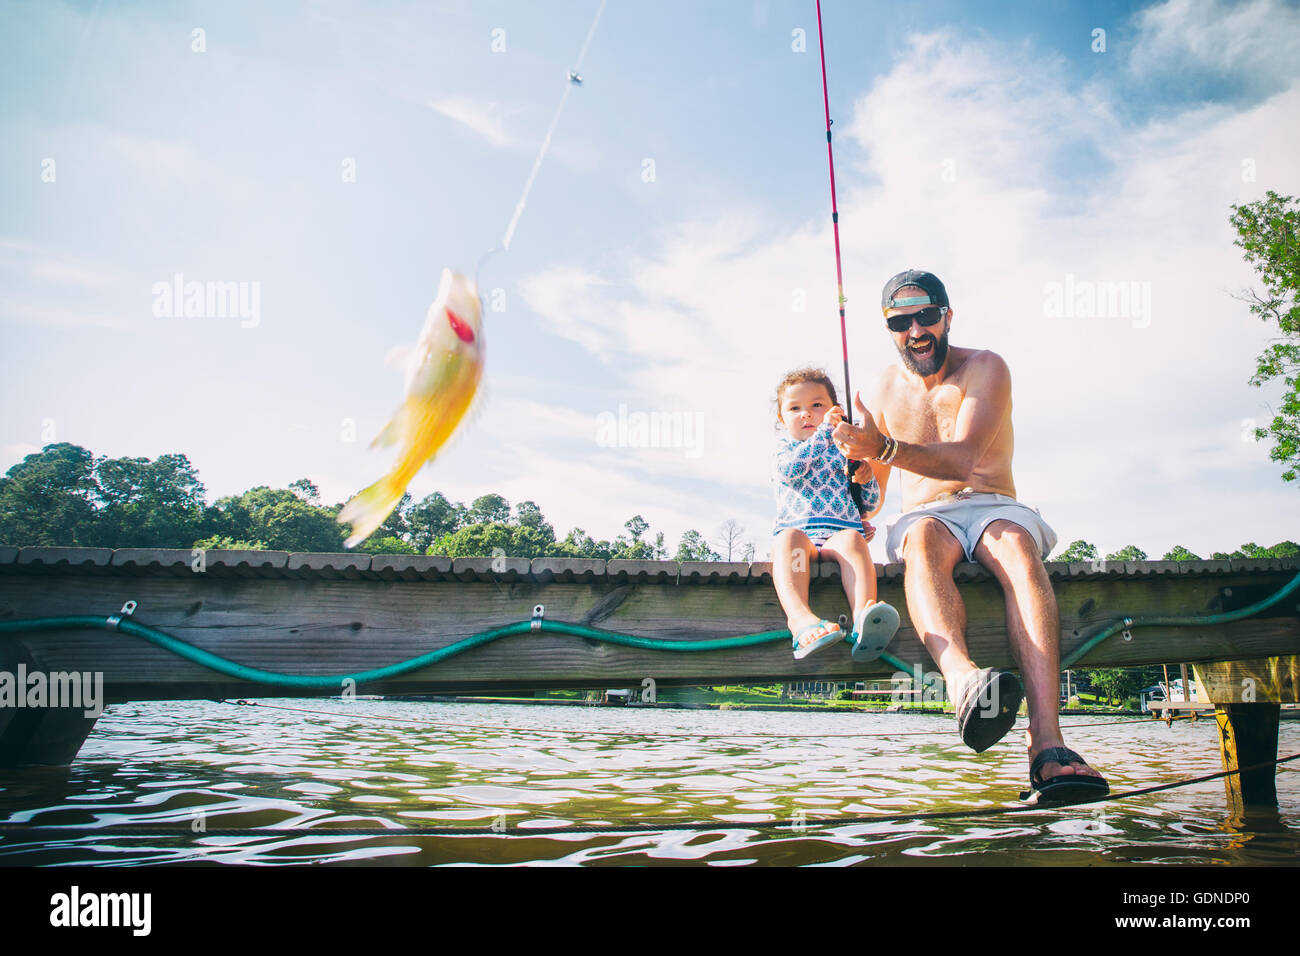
pixel 921 416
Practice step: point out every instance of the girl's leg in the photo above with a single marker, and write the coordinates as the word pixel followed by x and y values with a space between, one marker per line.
pixel 793 557
pixel 857 572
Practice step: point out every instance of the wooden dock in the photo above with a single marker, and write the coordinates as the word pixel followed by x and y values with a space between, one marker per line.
pixel 332 614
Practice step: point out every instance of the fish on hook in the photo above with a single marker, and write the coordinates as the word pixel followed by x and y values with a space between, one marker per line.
pixel 443 370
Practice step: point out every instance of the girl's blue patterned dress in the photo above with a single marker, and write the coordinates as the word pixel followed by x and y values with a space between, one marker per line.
pixel 812 490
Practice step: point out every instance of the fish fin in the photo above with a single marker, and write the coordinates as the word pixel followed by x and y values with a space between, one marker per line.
pixel 367 511
pixel 392 431
pixel 400 357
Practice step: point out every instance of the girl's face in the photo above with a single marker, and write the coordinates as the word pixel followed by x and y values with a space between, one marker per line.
pixel 803 407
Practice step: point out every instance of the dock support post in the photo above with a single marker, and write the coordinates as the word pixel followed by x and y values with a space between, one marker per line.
pixel 47 737
pixel 1248 736
pixel 40 736
pixel 1247 697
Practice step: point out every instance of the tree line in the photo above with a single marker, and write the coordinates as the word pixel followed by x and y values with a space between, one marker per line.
pixel 65 495
pixel 1083 551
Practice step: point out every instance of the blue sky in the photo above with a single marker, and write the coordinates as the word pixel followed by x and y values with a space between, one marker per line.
pixel 1000 150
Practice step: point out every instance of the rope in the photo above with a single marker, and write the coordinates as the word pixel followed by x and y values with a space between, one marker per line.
pixel 651 827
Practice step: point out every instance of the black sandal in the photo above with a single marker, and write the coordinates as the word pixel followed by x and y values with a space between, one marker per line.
pixel 1063 788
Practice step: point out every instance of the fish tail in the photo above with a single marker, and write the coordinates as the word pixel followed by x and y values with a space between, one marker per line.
pixel 367 511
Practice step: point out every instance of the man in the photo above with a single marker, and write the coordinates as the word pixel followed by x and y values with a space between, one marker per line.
pixel 943 418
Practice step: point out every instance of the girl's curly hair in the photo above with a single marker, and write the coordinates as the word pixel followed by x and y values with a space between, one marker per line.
pixel 801 376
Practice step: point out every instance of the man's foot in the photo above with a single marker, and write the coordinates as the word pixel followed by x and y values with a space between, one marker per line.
pixel 987 704
pixel 1059 775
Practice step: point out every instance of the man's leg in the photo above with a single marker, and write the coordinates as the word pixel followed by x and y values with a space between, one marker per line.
pixel 1011 555
pixel 930 552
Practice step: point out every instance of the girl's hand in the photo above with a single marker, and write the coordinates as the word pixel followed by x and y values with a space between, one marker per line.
pixel 834 416
pixel 868 529
pixel 863 473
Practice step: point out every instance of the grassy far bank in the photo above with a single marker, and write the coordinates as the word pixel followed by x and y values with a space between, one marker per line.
pixel 769 695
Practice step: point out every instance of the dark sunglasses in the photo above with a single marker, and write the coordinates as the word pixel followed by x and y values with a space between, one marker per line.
pixel 926 318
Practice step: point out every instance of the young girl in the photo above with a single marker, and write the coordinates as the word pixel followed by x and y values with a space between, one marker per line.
pixel 816 516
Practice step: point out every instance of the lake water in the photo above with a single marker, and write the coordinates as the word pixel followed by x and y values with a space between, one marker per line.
pixel 180 766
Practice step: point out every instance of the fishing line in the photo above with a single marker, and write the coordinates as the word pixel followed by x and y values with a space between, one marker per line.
pixel 573 79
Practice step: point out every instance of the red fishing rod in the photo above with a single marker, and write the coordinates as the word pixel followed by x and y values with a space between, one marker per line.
pixel 854 488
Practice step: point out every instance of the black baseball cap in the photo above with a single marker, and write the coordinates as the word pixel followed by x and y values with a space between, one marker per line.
pixel 936 294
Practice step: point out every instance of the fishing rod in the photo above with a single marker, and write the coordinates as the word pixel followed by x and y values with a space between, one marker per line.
pixel 854 488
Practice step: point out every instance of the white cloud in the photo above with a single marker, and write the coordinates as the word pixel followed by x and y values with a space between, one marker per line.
pixel 483 119
pixel 59 317
pixel 1257 40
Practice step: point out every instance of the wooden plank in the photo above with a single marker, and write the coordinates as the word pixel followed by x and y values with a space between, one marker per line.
pixel 172 561
pixel 730 572
pixel 320 626
pixel 244 564
pixel 642 572
pixel 410 567
pixel 1266 680
pixel 545 570
pixel 63 559
pixel 351 566
pixel 499 569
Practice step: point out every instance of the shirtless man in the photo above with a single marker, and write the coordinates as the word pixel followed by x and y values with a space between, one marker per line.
pixel 943 418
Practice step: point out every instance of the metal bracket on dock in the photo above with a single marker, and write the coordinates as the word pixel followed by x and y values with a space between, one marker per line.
pixel 1128 622
pixel 127 610
pixel 539 612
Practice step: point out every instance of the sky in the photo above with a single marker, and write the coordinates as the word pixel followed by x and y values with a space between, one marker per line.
pixel 675 257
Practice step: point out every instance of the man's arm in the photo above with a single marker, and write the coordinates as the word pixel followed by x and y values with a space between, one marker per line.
pixel 988 396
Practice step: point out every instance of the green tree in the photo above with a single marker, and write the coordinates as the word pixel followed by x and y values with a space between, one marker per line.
pixel 150 504
pixel 1078 551
pixel 693 547
pixel 489 508
pixel 279 518
pixel 385 545
pixel 432 518
pixel 1115 682
pixel 475 540
pixel 1267 232
pixel 1283 549
pixel 1130 552
pixel 306 490
pixel 1179 553
pixel 49 498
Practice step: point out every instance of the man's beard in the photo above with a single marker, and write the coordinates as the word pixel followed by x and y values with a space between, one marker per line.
pixel 932 362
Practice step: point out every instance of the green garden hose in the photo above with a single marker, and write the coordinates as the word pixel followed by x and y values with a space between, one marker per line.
pixel 242 672
pixel 1177 621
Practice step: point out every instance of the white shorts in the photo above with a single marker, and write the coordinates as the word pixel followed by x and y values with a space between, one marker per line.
pixel 967 517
